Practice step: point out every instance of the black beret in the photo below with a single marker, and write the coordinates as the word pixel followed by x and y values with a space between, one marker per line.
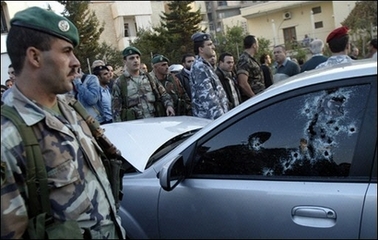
pixel 200 36
pixel 97 69
pixel 130 51
pixel 48 22
pixel 159 58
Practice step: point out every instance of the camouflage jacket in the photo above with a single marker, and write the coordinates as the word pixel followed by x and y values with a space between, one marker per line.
pixel 250 67
pixel 140 96
pixel 181 101
pixel 79 187
pixel 209 100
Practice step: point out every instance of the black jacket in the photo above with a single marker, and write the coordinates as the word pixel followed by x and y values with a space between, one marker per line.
pixel 227 88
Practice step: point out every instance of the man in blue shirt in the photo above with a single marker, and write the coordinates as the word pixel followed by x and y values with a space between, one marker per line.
pixel 103 75
pixel 87 91
pixel 284 67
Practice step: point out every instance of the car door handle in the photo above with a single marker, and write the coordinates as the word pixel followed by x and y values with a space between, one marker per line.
pixel 314 212
pixel 312 216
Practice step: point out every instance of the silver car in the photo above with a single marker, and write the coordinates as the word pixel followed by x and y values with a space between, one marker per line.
pixel 296 161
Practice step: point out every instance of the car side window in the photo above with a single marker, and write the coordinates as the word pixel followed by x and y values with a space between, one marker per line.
pixel 314 134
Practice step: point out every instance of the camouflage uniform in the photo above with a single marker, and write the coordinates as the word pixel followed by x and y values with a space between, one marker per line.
pixel 79 186
pixel 181 101
pixel 140 96
pixel 209 100
pixel 250 67
pixel 333 60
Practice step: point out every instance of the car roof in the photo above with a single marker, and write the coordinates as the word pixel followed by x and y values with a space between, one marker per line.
pixel 364 67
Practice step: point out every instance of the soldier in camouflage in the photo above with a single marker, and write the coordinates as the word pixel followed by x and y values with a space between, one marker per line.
pixel 248 70
pixel 181 101
pixel 209 100
pixel 139 94
pixel 40 44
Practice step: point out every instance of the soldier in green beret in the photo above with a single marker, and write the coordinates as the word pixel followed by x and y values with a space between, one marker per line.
pixel 160 73
pixel 40 45
pixel 135 95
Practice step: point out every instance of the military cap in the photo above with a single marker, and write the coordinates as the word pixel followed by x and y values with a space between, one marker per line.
pixel 175 68
pixel 159 58
pixel 130 51
pixel 97 69
pixel 48 22
pixel 337 33
pixel 200 36
pixel 97 63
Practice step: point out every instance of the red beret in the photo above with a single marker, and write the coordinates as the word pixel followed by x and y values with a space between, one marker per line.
pixel 337 33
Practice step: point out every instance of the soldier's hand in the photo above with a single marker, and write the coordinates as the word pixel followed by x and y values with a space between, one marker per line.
pixel 170 111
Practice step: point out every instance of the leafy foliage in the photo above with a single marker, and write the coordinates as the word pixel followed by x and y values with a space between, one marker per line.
pixel 109 55
pixel 231 41
pixel 361 21
pixel 264 47
pixel 172 38
pixel 362 16
pixel 90 30
pixel 151 42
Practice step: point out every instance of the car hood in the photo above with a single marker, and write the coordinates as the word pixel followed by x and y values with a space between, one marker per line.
pixel 139 139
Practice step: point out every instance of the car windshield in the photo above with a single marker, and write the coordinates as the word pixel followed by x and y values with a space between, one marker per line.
pixel 169 146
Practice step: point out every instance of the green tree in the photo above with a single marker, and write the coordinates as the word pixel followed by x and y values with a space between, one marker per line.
pixel 264 47
pixel 90 29
pixel 110 55
pixel 172 38
pixel 362 17
pixel 231 41
pixel 150 42
pixel 179 24
pixel 361 21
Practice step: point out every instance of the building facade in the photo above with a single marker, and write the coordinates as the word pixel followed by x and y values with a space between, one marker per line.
pixel 283 22
pixel 218 11
pixel 123 19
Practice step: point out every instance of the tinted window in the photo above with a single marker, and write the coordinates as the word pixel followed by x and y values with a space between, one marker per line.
pixel 308 135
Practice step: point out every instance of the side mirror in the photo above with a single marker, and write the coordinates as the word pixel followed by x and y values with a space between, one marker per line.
pixel 172 174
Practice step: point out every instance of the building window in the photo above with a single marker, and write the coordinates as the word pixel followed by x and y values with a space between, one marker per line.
pixel 126 29
pixel 316 10
pixel 222 3
pixel 219 27
pixel 4 25
pixel 209 6
pixel 244 26
pixel 210 17
pixel 211 26
pixel 319 24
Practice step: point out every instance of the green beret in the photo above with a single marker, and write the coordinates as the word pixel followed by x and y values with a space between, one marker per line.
pixel 130 51
pixel 159 58
pixel 200 36
pixel 48 22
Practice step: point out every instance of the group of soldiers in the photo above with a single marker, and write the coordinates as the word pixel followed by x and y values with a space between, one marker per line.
pixel 201 88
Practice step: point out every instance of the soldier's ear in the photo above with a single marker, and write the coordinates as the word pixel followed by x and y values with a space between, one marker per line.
pixel 33 56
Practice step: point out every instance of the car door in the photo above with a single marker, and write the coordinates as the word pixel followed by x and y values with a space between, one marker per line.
pixel 297 165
